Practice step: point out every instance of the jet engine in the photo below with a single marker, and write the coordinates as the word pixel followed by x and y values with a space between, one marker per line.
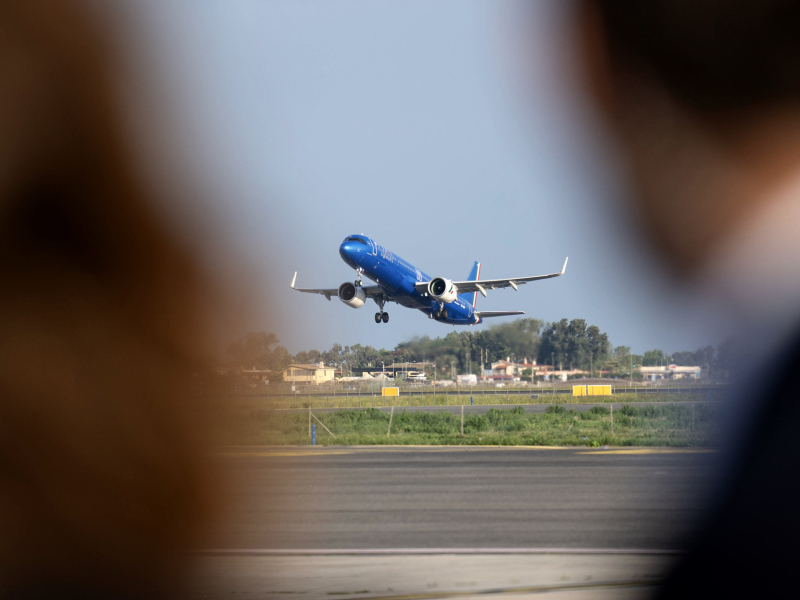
pixel 442 290
pixel 352 295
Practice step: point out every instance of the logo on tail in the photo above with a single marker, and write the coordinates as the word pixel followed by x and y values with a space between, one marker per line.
pixel 474 275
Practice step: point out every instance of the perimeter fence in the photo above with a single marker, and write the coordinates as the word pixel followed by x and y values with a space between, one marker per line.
pixel 348 395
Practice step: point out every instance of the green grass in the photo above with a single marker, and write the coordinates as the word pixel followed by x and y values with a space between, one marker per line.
pixel 369 401
pixel 669 425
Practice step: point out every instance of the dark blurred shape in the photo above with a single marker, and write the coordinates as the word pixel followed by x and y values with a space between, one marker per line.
pixel 704 100
pixel 100 476
pixel 715 55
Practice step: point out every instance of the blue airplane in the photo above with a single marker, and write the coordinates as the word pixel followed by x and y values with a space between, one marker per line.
pixel 398 281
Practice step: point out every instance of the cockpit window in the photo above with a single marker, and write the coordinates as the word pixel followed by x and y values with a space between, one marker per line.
pixel 355 238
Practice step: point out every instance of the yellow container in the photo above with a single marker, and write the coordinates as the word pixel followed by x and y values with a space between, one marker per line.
pixel 578 390
pixel 599 390
pixel 390 391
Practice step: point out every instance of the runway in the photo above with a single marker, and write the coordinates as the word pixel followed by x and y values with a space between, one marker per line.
pixel 468 497
pixel 405 523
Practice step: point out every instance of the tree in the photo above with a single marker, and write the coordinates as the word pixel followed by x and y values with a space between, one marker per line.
pixel 555 341
pixel 259 350
pixel 728 355
pixel 574 344
pixel 653 358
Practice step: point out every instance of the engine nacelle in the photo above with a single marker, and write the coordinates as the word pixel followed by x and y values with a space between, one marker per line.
pixel 352 295
pixel 442 290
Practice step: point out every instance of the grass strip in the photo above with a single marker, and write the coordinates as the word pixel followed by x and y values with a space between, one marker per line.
pixel 369 401
pixel 668 425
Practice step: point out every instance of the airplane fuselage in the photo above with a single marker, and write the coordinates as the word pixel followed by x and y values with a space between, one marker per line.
pixel 397 278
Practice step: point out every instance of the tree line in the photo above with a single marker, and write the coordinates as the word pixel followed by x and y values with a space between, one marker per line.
pixel 565 344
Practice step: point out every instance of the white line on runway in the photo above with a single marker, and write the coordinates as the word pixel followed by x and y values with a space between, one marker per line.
pixel 422 551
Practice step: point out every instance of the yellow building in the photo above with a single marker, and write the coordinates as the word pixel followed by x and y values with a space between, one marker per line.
pixel 312 374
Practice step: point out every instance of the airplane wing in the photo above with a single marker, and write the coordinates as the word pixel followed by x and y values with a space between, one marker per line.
pixel 493 284
pixel 369 290
pixel 498 313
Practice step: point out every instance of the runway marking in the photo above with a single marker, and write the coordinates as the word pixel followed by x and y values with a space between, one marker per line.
pixel 424 551
pixel 333 450
pixel 654 451
pixel 536 589
pixel 282 453
pixel 324 451
pixel 285 452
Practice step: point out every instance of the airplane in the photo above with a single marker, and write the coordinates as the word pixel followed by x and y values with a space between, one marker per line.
pixel 396 280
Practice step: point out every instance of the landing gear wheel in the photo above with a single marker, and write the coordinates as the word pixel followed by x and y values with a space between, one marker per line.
pixel 385 317
pixel 445 314
pixel 437 314
pixel 377 317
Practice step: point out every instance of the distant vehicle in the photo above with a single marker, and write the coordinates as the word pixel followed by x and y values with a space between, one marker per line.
pixel 451 302
pixel 468 379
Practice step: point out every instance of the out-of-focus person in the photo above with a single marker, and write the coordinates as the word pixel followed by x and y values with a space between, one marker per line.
pixel 703 101
pixel 101 313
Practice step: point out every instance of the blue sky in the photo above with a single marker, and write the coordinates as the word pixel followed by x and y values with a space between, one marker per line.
pixel 449 131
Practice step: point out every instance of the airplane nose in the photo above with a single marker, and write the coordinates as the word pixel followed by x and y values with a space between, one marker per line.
pixel 348 251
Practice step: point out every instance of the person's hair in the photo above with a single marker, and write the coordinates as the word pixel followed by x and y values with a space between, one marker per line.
pixel 712 54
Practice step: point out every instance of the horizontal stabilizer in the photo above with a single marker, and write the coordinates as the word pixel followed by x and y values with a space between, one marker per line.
pixel 498 313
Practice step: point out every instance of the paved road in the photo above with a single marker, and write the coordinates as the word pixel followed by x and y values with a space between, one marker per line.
pixel 452 497
pixel 481 409
pixel 431 577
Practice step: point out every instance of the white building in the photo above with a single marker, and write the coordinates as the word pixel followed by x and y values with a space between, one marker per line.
pixel 512 369
pixel 313 374
pixel 673 371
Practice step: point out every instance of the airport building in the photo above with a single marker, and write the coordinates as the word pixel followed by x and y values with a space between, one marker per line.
pixel 510 371
pixel 311 374
pixel 673 371
pixel 508 368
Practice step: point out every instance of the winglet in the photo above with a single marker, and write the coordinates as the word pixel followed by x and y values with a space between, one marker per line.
pixel 294 279
pixel 564 268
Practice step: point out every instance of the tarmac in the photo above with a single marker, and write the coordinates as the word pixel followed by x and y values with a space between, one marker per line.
pixel 446 522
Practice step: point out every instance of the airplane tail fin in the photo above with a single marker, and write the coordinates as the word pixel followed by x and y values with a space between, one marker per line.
pixel 474 275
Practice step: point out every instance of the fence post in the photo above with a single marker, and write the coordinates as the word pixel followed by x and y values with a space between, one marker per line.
pixel 612 419
pixel 391 414
pixel 309 421
pixel 462 420
pixel 692 417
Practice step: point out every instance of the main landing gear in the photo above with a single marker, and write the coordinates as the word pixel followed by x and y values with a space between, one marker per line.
pixel 381 316
pixel 440 313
